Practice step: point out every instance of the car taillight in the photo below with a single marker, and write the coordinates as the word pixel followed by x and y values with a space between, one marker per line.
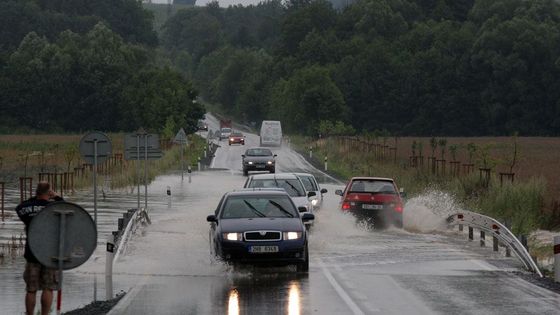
pixel 346 205
pixel 399 207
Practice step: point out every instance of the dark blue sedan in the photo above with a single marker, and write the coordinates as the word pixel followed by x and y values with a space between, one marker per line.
pixel 260 227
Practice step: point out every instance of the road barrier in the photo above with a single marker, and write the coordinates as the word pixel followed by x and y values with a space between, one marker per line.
pixel 499 231
pixel 131 220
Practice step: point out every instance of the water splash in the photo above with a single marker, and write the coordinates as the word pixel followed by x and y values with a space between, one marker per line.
pixel 428 211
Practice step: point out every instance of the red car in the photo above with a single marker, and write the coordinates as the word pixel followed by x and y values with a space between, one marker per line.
pixel 236 137
pixel 373 198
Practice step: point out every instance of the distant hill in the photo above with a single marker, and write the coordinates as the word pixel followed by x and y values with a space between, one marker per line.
pixel 162 11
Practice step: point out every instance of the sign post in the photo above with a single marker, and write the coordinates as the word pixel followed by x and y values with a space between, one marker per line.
pixel 151 151
pixel 95 148
pixel 181 138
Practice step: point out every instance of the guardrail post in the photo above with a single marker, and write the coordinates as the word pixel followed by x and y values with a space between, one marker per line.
pixel 507 223
pixel 482 239
pixel 310 152
pixel 495 243
pixel 109 267
pixel 471 234
pixel 460 228
pixel 326 164
pixel 523 240
pixel 557 258
pixel 199 163
pixel 189 171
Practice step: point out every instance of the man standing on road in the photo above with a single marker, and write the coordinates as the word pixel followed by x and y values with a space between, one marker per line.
pixel 36 276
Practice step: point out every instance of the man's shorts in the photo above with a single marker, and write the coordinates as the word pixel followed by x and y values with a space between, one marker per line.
pixel 38 277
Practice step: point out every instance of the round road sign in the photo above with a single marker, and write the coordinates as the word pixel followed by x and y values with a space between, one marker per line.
pixel 79 235
pixel 88 145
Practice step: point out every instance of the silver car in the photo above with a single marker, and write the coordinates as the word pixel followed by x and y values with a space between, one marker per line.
pixel 289 182
pixel 311 185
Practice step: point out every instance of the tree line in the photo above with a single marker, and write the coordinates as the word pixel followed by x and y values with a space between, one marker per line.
pixel 71 66
pixel 416 67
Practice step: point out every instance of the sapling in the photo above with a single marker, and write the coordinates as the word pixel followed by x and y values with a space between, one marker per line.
pixel 433 144
pixel 442 144
pixel 453 151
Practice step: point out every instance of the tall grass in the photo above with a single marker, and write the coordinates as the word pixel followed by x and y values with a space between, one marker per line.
pixel 521 203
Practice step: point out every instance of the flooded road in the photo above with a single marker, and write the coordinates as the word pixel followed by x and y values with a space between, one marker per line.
pixel 167 269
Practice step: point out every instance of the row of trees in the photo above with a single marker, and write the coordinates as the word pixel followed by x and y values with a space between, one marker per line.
pixel 454 67
pixel 99 72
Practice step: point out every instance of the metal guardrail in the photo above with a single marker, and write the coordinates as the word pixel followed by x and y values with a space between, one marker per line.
pixel 131 222
pixel 499 231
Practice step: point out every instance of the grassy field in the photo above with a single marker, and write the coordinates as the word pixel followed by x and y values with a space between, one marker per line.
pixel 529 202
pixel 27 155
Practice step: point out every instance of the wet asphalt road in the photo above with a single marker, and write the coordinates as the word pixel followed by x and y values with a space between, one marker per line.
pixel 352 270
pixel 167 269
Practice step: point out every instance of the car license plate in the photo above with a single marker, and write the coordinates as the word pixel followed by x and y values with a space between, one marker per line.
pixel 260 166
pixel 263 249
pixel 372 207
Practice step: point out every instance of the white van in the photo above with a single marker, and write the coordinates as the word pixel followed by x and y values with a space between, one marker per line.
pixel 271 133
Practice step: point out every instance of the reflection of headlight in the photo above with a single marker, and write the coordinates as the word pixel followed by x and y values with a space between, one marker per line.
pixel 314 202
pixel 233 236
pixel 270 162
pixel 292 235
pixel 250 163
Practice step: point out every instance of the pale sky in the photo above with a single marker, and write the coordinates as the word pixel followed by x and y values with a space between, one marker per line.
pixel 223 3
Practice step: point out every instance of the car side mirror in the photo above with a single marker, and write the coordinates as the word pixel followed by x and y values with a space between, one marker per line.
pixel 275 155
pixel 306 217
pixel 311 194
pixel 211 218
pixel 243 155
pixel 302 209
pixel 338 192
pixel 324 191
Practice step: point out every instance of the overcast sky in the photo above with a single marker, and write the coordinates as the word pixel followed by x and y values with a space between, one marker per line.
pixel 223 3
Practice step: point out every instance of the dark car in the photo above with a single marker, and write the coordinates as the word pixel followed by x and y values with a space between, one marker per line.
pixel 373 198
pixel 236 138
pixel 259 227
pixel 258 159
pixel 202 126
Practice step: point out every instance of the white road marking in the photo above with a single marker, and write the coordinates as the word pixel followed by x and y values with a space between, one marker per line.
pixel 343 295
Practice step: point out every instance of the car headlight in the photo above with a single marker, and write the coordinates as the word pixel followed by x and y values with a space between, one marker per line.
pixel 270 162
pixel 250 163
pixel 292 235
pixel 314 202
pixel 230 139
pixel 233 236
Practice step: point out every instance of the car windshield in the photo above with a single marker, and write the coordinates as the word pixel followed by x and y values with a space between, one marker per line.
pixel 258 152
pixel 236 135
pixel 224 130
pixel 372 186
pixel 292 186
pixel 258 207
pixel 308 183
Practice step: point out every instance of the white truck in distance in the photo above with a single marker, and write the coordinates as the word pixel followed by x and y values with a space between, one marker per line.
pixel 271 133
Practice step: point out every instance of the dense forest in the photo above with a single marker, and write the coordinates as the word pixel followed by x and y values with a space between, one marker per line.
pixel 71 66
pixel 412 67
pixel 417 67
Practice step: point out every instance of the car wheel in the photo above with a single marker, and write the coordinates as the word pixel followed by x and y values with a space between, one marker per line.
pixel 304 266
pixel 230 143
pixel 272 171
pixel 245 173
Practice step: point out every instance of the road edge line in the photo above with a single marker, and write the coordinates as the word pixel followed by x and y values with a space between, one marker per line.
pixel 340 291
pixel 123 304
